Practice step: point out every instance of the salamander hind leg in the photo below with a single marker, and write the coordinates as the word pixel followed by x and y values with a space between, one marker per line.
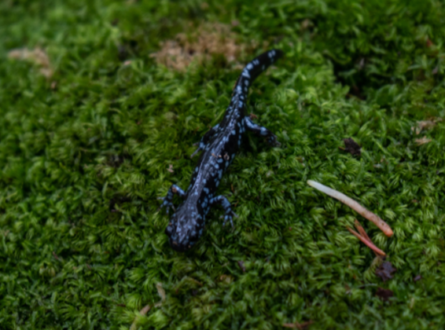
pixel 205 140
pixel 262 131
pixel 168 199
pixel 226 206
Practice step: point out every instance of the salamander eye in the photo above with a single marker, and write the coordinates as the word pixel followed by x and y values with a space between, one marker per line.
pixel 169 230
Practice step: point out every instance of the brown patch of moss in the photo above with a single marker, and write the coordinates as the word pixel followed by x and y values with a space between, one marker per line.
pixel 37 56
pixel 207 40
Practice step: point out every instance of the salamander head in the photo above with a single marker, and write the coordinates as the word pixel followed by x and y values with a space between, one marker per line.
pixel 184 229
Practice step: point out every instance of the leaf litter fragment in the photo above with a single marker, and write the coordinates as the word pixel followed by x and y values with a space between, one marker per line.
pixel 146 309
pixel 385 271
pixel 417 278
pixel 142 312
pixel 241 265
pixel 422 125
pixel 384 294
pixel 37 56
pixel 422 141
pixel 425 124
pixel 352 147
pixel 301 326
pixel 161 293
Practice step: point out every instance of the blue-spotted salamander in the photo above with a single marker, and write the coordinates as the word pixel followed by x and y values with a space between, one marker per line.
pixel 219 146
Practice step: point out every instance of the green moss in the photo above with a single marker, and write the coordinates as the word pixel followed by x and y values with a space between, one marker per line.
pixel 84 157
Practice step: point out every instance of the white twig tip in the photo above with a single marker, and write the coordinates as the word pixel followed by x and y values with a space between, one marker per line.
pixel 374 218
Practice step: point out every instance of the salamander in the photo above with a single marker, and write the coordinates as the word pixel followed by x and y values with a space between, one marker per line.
pixel 219 146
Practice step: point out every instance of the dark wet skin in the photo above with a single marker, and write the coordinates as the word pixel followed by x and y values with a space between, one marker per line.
pixel 219 146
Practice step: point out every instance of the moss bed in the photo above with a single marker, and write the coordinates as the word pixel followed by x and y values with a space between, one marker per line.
pixel 96 123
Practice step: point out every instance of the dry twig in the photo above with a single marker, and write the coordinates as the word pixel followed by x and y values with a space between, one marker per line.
pixel 353 205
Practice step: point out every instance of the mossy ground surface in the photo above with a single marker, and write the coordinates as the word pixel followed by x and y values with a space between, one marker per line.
pixel 85 153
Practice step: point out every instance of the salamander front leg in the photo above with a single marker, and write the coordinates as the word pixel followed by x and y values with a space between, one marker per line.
pixel 262 131
pixel 205 140
pixel 226 206
pixel 168 199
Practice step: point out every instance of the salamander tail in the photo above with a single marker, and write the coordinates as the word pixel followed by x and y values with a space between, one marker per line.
pixel 255 67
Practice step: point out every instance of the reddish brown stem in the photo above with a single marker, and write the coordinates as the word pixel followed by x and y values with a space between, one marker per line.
pixel 367 242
